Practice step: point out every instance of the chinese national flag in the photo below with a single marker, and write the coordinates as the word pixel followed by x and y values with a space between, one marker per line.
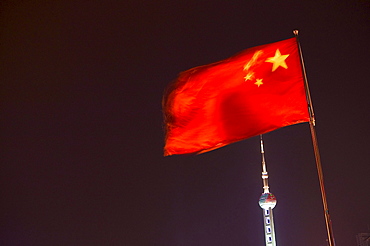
pixel 256 91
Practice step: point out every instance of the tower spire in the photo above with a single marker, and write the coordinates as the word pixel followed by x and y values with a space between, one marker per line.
pixel 264 171
pixel 267 202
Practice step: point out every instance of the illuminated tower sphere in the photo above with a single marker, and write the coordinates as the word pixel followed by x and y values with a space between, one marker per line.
pixel 267 200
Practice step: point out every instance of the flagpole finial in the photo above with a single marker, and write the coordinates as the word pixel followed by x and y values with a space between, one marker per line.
pixel 295 31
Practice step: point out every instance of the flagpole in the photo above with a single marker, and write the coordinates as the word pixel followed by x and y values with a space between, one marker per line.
pixel 312 123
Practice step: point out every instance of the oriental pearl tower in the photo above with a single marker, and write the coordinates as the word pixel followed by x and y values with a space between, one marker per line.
pixel 267 202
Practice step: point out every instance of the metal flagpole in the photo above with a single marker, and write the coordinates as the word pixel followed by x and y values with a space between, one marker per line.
pixel 329 228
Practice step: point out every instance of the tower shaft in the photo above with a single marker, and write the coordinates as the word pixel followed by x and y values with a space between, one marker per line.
pixel 269 227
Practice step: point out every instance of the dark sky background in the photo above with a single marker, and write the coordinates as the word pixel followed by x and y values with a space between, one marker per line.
pixel 82 136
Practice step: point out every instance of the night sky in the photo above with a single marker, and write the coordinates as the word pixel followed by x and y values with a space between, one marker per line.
pixel 82 126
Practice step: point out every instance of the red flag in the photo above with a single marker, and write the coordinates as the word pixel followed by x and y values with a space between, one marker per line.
pixel 256 91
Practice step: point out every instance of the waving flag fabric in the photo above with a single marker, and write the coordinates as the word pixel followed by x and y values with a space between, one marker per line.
pixel 256 91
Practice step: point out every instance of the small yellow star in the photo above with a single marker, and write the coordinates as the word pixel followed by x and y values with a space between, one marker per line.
pixel 253 60
pixel 278 60
pixel 248 76
pixel 258 82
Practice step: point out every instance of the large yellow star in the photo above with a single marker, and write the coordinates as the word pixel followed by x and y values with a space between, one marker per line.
pixel 278 60
pixel 258 82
